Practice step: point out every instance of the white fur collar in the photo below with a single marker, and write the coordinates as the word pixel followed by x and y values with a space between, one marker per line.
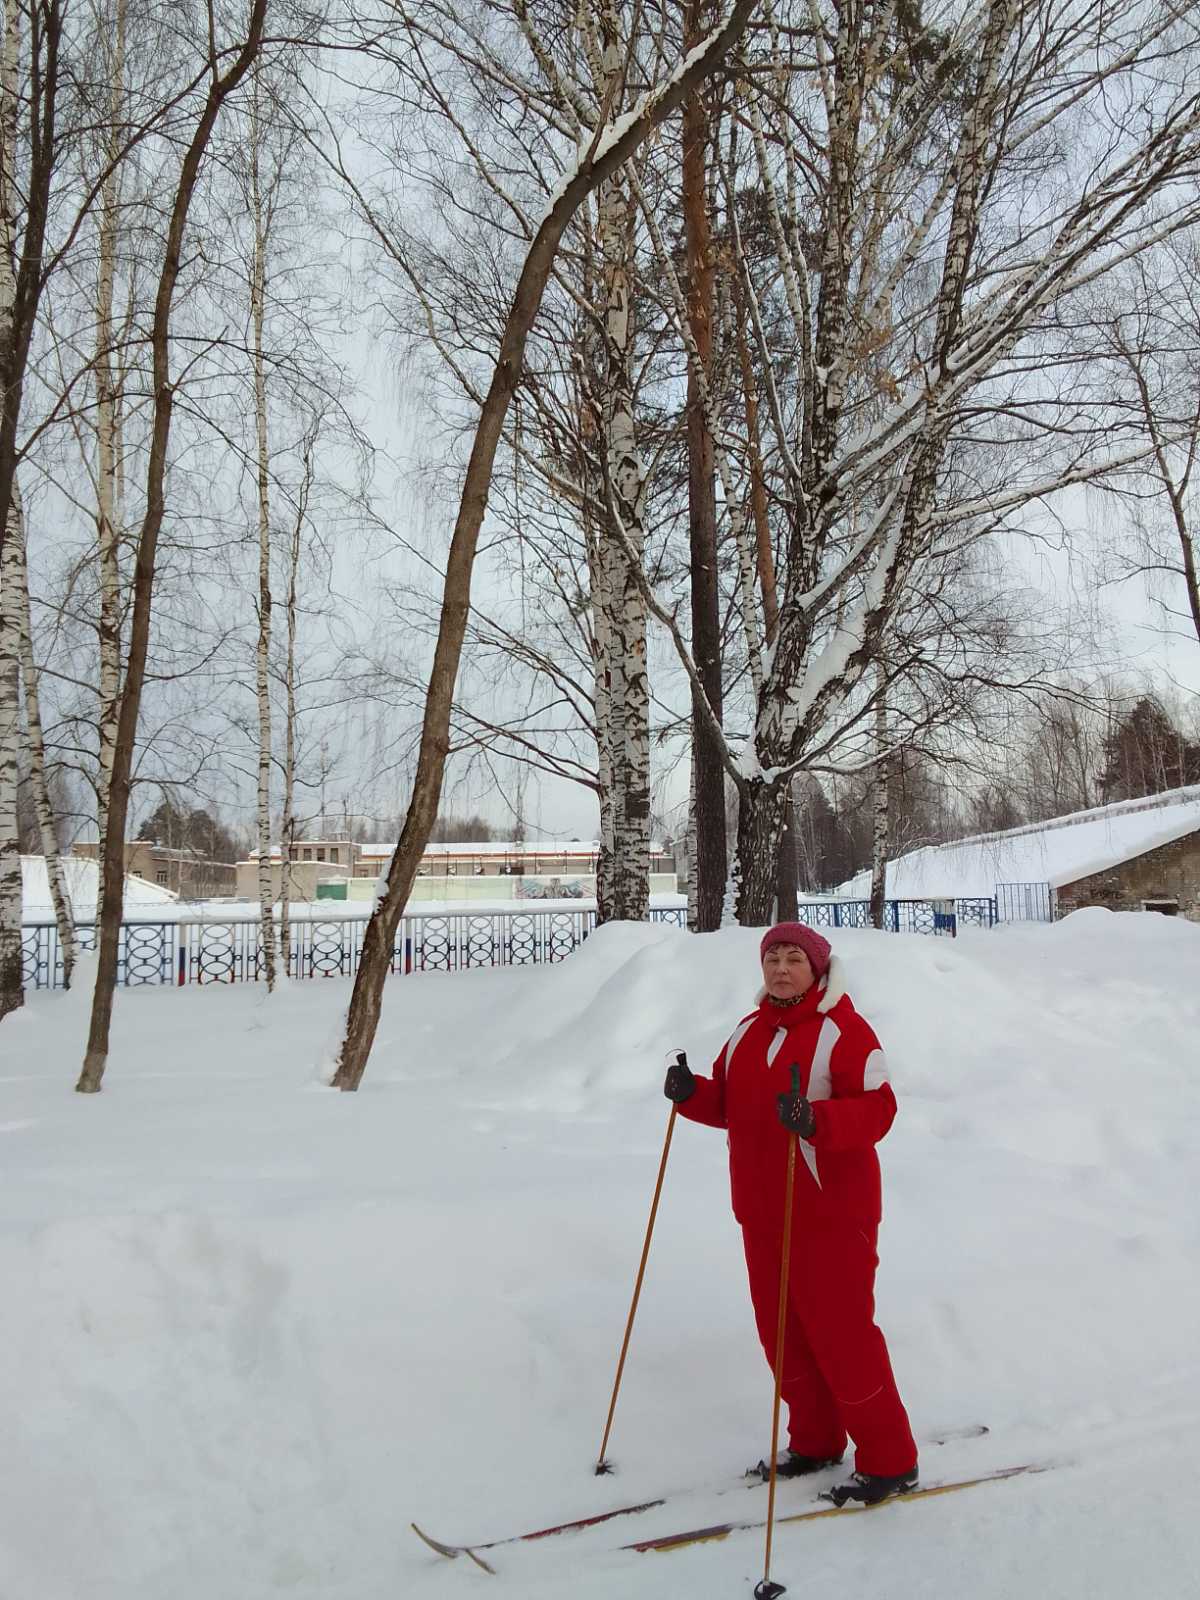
pixel 833 983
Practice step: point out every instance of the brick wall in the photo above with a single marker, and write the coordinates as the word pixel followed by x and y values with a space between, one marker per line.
pixel 1172 872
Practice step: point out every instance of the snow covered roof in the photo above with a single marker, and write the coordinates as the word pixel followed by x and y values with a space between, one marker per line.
pixel 83 884
pixel 1057 852
pixel 499 847
pixel 489 847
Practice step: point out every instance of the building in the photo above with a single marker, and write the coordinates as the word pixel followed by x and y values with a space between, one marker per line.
pixel 81 879
pixel 314 861
pixel 497 858
pixel 545 869
pixel 185 873
pixel 1136 855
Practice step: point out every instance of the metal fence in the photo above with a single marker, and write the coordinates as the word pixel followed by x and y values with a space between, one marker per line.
pixel 210 951
pixel 1025 902
pixel 902 916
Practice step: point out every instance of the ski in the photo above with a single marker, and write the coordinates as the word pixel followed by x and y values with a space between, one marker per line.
pixel 722 1530
pixel 974 1430
pixel 453 1551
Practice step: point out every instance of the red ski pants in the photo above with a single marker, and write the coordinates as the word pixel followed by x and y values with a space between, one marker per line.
pixel 837 1376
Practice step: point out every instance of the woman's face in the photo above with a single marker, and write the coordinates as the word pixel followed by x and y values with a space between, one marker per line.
pixel 787 972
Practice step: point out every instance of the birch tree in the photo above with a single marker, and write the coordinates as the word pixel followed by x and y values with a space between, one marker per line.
pixel 1150 330
pixel 922 270
pixel 36 743
pixel 578 394
pixel 260 221
pixel 227 70
pixel 12 990
pixel 287 824
pixel 623 695
pixel 609 143
pixel 12 993
pixel 880 833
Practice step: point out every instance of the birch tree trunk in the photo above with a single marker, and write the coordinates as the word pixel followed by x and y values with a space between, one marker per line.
pixel 629 689
pixel 36 746
pixel 287 825
pixel 258 285
pixel 693 907
pixel 593 168
pixel 880 833
pixel 112 845
pixel 12 991
pixel 787 907
pixel 600 588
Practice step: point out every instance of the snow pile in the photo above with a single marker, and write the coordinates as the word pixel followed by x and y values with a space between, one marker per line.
pixel 82 879
pixel 1057 852
pixel 251 1327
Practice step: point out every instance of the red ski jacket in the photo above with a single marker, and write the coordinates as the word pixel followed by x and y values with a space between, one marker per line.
pixel 844 1074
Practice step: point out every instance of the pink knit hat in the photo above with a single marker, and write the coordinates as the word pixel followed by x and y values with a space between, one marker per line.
pixel 816 948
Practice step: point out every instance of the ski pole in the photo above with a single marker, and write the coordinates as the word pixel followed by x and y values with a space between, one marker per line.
pixel 767 1590
pixel 603 1465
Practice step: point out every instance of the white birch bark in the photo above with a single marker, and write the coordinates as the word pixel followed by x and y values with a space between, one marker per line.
pixel 629 689
pixel 258 287
pixel 12 993
pixel 287 826
pixel 600 585
pixel 36 745
pixel 880 839
pixel 693 905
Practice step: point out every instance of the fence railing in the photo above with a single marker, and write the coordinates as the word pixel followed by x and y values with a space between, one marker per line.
pixel 1025 902
pixel 902 916
pixel 212 951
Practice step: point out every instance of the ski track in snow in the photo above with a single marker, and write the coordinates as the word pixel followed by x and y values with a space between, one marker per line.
pixel 252 1327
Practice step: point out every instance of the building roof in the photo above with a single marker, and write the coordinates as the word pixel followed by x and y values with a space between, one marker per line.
pixel 1058 852
pixel 82 877
pixel 500 847
pixel 488 847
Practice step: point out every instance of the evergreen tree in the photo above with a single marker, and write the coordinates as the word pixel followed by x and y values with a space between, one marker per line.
pixel 1147 754
pixel 196 830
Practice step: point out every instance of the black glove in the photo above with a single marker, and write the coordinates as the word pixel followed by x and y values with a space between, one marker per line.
pixel 680 1080
pixel 795 1112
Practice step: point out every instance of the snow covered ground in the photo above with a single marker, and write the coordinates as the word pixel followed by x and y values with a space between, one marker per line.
pixel 250 1327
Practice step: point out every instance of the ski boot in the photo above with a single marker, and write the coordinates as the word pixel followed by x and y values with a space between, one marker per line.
pixel 793 1465
pixel 870 1488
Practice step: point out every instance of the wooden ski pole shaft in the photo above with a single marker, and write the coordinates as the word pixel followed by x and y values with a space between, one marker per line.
pixel 767 1590
pixel 602 1465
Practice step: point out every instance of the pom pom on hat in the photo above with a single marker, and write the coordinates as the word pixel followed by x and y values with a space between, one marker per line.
pixel 815 947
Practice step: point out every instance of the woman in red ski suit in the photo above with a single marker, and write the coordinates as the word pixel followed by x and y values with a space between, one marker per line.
pixel 837 1377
